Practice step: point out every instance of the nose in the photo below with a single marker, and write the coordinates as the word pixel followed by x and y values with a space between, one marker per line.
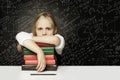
pixel 44 32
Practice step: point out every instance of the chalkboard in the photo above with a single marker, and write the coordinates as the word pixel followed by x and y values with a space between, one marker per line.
pixel 90 28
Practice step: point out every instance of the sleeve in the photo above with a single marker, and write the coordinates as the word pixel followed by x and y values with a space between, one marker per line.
pixel 60 47
pixel 22 36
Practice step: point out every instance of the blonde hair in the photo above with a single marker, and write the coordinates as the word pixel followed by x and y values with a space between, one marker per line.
pixel 45 14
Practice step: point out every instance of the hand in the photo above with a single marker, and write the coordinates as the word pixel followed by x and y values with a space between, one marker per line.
pixel 41 62
pixel 19 48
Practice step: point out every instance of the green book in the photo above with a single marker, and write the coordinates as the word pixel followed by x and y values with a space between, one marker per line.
pixel 46 50
pixel 43 48
pixel 31 53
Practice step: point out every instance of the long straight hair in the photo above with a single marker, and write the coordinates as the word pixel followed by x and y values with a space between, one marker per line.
pixel 47 15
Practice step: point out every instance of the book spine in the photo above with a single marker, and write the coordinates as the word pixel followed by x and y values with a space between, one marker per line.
pixel 34 57
pixel 35 62
pixel 45 44
pixel 33 67
pixel 31 53
pixel 43 48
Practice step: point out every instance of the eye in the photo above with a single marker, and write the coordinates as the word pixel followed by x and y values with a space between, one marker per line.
pixel 39 28
pixel 48 28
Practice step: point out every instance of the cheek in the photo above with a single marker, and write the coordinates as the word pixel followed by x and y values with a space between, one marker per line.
pixel 38 33
pixel 50 32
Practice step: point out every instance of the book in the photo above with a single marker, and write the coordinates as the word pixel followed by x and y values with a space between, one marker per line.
pixel 33 67
pixel 34 57
pixel 35 62
pixel 47 49
pixel 43 48
pixel 45 44
pixel 32 53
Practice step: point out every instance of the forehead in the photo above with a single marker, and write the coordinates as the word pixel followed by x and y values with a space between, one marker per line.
pixel 44 22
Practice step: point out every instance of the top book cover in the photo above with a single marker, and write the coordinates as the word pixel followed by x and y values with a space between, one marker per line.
pixel 45 44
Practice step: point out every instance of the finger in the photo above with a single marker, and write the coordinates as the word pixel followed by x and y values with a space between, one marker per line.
pixel 39 61
pixel 39 68
pixel 43 67
pixel 38 65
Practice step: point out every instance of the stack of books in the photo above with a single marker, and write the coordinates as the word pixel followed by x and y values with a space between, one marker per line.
pixel 30 58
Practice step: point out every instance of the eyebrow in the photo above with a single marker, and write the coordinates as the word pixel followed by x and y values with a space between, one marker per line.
pixel 46 27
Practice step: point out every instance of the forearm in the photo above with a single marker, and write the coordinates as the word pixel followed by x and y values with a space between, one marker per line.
pixel 32 46
pixel 47 39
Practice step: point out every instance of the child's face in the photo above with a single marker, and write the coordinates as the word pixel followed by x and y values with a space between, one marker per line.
pixel 44 26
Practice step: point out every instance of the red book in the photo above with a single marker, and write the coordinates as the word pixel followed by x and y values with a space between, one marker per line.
pixel 45 44
pixel 34 57
pixel 35 62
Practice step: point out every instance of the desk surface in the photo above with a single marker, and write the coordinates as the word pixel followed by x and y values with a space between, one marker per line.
pixel 63 73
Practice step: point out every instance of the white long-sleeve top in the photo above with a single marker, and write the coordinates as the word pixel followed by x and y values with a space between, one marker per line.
pixel 22 36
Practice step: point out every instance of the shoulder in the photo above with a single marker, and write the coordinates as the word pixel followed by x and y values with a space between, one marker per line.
pixel 22 33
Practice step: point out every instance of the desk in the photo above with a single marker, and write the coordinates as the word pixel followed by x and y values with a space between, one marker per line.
pixel 63 73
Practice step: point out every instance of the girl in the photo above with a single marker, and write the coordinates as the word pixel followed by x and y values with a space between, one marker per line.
pixel 45 30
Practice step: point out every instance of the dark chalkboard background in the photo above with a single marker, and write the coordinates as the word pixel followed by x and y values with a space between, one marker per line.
pixel 91 29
